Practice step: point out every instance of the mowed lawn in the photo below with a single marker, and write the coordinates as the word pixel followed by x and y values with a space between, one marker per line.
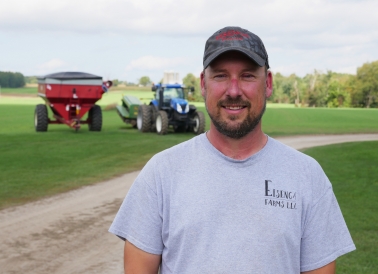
pixel 35 165
pixel 353 170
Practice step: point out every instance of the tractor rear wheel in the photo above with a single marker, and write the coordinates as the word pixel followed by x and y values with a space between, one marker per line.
pixel 199 126
pixel 95 118
pixel 41 119
pixel 162 123
pixel 154 113
pixel 144 118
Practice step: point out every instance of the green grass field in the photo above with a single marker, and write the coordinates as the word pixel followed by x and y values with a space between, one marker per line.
pixel 35 165
pixel 25 90
pixel 352 169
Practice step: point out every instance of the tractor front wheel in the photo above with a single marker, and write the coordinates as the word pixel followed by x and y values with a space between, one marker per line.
pixel 199 126
pixel 41 119
pixel 144 118
pixel 162 123
pixel 95 118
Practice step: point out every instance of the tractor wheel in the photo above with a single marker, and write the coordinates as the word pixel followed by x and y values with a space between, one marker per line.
pixel 153 118
pixel 162 123
pixel 41 119
pixel 95 118
pixel 199 126
pixel 144 118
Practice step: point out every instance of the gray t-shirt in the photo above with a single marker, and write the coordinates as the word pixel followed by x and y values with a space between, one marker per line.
pixel 274 212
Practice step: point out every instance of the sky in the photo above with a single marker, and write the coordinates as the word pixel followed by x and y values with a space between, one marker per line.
pixel 128 39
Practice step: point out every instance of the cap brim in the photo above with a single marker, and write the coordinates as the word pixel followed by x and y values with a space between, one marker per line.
pixel 253 56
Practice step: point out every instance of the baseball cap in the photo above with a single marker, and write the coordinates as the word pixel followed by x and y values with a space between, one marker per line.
pixel 238 39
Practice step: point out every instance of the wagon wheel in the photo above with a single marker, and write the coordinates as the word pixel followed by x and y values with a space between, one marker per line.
pixel 41 119
pixel 95 118
pixel 199 126
pixel 162 123
pixel 144 118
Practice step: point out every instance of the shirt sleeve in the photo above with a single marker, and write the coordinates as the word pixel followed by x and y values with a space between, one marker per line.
pixel 325 236
pixel 138 219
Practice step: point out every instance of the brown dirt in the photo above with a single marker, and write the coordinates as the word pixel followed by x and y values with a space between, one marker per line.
pixel 67 233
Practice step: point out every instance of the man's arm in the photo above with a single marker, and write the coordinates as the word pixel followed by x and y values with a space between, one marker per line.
pixel 137 261
pixel 327 269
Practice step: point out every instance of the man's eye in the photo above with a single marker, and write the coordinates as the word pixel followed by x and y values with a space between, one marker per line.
pixel 248 77
pixel 220 76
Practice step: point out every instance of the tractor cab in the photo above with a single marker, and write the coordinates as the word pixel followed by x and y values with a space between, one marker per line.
pixel 170 97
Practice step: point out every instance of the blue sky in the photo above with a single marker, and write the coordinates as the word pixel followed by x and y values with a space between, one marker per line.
pixel 127 39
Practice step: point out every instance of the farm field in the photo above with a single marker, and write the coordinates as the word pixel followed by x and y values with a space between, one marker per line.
pixel 36 165
pixel 352 169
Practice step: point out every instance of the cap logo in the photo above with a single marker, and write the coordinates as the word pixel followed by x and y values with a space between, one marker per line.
pixel 232 35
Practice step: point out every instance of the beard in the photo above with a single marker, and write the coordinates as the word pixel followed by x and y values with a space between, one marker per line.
pixel 241 129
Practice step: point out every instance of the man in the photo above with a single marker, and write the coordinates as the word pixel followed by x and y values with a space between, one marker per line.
pixel 232 200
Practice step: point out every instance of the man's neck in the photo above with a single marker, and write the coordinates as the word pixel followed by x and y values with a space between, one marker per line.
pixel 238 149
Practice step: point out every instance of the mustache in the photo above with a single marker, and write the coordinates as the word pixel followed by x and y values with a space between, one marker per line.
pixel 233 101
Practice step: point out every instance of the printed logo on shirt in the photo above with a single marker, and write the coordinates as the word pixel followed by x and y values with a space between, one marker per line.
pixel 279 197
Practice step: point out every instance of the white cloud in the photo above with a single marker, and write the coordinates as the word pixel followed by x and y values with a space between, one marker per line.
pixel 154 63
pixel 188 17
pixel 53 65
pixel 300 36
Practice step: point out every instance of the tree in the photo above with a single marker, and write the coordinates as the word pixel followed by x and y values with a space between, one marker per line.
pixel 339 90
pixel 191 81
pixel 366 92
pixel 144 81
pixel 115 82
pixel 11 79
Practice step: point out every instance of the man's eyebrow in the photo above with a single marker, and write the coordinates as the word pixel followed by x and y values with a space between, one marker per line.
pixel 218 70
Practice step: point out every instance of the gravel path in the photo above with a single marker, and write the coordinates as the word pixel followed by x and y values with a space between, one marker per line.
pixel 67 233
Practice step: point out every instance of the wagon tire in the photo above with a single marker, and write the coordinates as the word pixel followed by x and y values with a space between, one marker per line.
pixel 41 119
pixel 144 118
pixel 162 123
pixel 199 123
pixel 95 118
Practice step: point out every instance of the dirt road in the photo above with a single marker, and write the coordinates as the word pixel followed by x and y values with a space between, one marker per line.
pixel 67 233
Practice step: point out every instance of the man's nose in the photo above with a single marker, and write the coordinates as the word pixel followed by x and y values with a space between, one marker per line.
pixel 233 88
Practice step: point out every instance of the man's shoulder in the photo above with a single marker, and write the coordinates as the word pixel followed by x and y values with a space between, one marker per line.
pixel 183 149
pixel 287 153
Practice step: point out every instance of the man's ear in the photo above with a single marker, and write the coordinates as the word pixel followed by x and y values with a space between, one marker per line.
pixel 269 84
pixel 203 89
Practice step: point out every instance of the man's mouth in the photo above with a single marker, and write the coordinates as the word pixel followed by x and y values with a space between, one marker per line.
pixel 234 104
pixel 234 107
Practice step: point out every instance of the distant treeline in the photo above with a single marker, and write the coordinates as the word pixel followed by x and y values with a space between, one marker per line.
pixel 11 79
pixel 319 89
pixel 329 89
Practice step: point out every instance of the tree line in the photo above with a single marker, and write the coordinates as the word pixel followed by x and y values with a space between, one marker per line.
pixel 329 89
pixel 319 89
pixel 11 79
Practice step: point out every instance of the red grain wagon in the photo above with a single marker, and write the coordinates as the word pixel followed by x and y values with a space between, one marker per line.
pixel 70 95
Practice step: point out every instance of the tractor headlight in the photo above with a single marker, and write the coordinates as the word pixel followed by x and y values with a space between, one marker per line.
pixel 179 108
pixel 187 108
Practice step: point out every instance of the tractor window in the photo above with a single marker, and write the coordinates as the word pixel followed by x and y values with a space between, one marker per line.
pixel 170 93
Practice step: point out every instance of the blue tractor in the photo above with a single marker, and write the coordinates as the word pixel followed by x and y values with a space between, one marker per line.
pixel 169 108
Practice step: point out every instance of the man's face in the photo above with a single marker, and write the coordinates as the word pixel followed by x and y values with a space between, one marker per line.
pixel 235 91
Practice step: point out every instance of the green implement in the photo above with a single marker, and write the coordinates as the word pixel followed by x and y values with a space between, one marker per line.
pixel 128 111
